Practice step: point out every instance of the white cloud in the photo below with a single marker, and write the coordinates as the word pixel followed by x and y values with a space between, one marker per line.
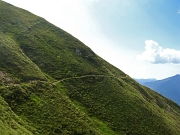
pixel 156 54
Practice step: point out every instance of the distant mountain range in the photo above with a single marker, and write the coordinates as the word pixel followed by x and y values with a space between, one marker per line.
pixel 141 81
pixel 169 87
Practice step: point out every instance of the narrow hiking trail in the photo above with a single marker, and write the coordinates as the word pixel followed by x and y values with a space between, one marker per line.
pixel 69 78
pixel 84 76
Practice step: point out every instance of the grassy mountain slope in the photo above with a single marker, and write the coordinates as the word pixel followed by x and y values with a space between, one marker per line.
pixel 15 62
pixel 56 85
pixel 47 110
pixel 10 123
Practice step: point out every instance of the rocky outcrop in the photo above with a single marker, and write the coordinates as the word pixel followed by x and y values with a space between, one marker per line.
pixel 5 78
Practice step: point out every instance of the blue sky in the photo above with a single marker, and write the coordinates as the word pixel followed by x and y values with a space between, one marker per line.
pixel 140 37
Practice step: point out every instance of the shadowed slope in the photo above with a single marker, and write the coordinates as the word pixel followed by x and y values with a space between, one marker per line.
pixel 10 123
pixel 15 62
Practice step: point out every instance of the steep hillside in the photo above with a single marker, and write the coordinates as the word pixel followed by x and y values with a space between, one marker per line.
pixel 15 62
pixel 53 84
pixel 10 123
pixel 168 87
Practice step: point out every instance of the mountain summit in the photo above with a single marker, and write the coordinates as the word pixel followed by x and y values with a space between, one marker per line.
pixel 53 84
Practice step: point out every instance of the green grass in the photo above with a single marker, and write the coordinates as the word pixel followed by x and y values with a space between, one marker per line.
pixel 51 84
pixel 104 129
pixel 16 63
pixel 121 106
pixel 10 123
pixel 47 110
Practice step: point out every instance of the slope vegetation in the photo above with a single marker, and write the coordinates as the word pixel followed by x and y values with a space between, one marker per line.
pixel 10 123
pixel 53 84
